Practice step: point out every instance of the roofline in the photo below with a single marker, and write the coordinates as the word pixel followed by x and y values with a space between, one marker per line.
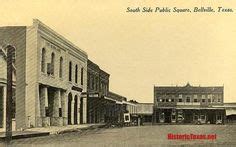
pixel 39 23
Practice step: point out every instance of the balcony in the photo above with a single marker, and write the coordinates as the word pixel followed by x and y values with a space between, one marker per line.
pixel 188 103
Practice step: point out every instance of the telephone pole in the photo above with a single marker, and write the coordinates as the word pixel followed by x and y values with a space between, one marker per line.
pixel 10 50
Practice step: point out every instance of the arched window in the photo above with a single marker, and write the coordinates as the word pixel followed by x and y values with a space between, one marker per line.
pixel 52 63
pixel 82 76
pixel 43 60
pixel 76 73
pixel 61 68
pixel 70 71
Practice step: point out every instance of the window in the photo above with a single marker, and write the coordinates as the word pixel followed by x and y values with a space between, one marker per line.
pixel 188 99
pixel 160 100
pixel 70 71
pixel 61 68
pixel 195 100
pixel 203 100
pixel 82 76
pixel 173 117
pixel 172 100
pixel 46 111
pixel 43 60
pixel 219 117
pixel 76 73
pixel 209 100
pixel 52 63
pixel 203 117
pixel 195 117
pixel 60 112
pixel 180 100
pixel 219 100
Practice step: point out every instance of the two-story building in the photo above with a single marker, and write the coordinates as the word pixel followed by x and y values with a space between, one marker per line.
pixel 50 77
pixel 188 104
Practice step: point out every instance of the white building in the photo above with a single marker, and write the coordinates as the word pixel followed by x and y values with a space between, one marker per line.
pixel 50 77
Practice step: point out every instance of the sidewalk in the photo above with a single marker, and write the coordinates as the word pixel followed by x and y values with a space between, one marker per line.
pixel 45 131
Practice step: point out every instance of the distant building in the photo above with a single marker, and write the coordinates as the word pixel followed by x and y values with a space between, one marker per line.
pixel 145 112
pixel 188 104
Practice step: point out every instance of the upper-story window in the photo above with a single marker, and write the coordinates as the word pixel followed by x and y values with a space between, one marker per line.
pixel 61 68
pixel 180 100
pixel 76 73
pixel 43 62
pixel 70 71
pixel 203 100
pixel 52 63
pixel 209 100
pixel 82 76
pixel 188 99
pixel 219 100
pixel 195 100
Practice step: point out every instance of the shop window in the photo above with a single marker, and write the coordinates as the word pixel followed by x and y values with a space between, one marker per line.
pixel 173 117
pixel 195 117
pixel 202 117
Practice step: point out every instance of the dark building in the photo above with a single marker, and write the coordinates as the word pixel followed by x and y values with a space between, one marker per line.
pixel 188 104
pixel 97 89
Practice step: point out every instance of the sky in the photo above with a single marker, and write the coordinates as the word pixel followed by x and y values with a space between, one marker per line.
pixel 141 50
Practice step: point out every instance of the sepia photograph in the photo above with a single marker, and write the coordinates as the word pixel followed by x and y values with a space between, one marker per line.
pixel 145 73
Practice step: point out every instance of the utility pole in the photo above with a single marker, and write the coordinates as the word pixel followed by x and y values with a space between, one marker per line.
pixel 10 50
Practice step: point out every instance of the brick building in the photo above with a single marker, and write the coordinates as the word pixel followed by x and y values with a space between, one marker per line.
pixel 188 104
pixel 51 76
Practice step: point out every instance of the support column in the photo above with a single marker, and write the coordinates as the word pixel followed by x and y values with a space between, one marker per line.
pixel 72 110
pixel 64 107
pixel 55 113
pixel 44 104
pixel 84 110
pixel 78 111
pixel 4 107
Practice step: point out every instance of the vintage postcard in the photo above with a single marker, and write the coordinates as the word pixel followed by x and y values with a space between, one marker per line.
pixel 120 73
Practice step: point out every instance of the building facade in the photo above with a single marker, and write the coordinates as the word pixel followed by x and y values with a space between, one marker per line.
pixel 51 77
pixel 188 104
pixel 97 90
